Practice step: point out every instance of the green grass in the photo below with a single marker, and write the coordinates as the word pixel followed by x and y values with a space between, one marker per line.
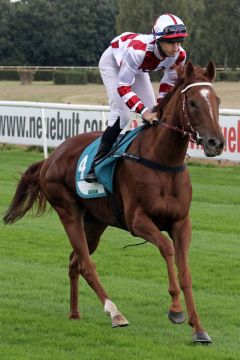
pixel 34 286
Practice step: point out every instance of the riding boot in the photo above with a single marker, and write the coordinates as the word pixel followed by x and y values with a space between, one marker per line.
pixel 108 139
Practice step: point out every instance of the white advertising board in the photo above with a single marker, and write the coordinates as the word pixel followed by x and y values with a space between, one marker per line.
pixel 47 125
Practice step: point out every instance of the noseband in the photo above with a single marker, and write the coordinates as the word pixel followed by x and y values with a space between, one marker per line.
pixel 192 134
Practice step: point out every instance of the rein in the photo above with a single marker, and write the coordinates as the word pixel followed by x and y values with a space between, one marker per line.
pixel 193 135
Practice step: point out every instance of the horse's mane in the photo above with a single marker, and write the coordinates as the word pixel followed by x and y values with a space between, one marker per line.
pixel 160 107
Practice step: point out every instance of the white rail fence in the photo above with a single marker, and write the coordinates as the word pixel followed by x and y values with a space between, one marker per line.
pixel 49 124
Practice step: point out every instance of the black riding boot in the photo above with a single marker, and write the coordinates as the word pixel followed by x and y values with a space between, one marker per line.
pixel 108 139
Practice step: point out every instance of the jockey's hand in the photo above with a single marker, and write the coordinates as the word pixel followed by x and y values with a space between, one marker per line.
pixel 149 116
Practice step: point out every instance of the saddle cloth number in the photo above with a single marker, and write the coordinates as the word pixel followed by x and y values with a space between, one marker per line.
pixel 82 167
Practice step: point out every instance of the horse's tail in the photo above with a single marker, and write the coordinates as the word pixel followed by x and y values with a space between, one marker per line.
pixel 27 193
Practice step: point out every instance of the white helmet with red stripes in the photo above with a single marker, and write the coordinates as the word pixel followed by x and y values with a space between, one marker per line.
pixel 170 28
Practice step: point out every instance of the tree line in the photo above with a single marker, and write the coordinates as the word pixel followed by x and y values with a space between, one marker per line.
pixel 76 32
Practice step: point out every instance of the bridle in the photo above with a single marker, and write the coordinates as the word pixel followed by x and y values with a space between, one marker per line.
pixel 192 134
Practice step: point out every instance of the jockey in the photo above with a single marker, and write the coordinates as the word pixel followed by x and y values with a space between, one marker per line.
pixel 124 67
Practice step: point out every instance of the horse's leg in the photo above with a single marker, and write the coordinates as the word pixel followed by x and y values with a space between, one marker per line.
pixel 181 235
pixel 74 277
pixel 141 225
pixel 72 218
pixel 93 230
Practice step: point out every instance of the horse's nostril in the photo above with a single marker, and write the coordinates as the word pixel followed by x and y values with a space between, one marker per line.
pixel 212 143
pixel 215 143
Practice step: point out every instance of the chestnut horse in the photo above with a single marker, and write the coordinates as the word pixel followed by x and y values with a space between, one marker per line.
pixel 151 196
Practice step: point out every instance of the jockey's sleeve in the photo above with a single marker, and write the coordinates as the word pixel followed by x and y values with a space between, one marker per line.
pixel 167 82
pixel 126 77
pixel 170 75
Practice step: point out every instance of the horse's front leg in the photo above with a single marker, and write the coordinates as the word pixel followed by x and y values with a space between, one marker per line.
pixel 142 225
pixel 181 235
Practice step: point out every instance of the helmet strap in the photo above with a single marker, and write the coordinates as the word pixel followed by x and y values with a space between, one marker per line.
pixel 161 52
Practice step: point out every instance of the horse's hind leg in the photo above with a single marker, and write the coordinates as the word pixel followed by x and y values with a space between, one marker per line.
pixel 93 231
pixel 74 277
pixel 72 217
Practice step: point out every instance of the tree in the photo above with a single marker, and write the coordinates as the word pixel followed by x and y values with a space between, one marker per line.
pixel 189 11
pixel 143 14
pixel 223 31
pixel 213 26
pixel 6 46
pixel 56 32
pixel 76 32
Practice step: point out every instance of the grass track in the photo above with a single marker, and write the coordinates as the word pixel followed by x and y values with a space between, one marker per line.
pixel 34 288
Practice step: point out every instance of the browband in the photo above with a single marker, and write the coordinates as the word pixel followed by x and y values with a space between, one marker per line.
pixel 196 84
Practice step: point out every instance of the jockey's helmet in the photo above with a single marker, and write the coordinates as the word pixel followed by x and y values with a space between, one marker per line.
pixel 169 28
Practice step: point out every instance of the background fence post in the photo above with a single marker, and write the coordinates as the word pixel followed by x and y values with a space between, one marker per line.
pixel 44 134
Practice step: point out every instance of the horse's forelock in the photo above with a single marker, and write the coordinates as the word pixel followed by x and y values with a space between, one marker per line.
pixel 200 74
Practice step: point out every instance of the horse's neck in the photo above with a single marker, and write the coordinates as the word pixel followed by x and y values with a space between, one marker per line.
pixel 166 145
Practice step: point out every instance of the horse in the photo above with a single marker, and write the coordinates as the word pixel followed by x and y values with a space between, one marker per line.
pixel 151 194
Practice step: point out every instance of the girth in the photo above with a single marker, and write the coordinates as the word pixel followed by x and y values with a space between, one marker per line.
pixel 152 165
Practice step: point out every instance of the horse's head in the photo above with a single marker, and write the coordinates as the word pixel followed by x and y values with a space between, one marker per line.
pixel 201 107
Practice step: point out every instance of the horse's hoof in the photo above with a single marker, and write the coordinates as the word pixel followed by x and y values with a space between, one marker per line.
pixel 202 337
pixel 176 317
pixel 74 315
pixel 119 321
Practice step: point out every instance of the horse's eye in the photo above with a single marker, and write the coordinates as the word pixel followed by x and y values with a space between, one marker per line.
pixel 192 103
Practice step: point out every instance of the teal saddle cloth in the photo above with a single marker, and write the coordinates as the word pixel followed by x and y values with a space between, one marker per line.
pixel 104 168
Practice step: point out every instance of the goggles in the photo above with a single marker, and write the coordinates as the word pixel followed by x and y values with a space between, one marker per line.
pixel 172 30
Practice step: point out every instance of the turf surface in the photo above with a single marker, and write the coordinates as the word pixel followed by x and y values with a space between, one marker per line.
pixel 34 286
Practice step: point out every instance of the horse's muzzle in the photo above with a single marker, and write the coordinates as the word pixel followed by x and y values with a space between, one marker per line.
pixel 213 146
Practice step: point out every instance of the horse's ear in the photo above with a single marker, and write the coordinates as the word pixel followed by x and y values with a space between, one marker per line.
pixel 210 71
pixel 189 69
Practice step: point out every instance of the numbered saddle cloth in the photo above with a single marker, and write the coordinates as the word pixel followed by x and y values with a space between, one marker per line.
pixel 104 168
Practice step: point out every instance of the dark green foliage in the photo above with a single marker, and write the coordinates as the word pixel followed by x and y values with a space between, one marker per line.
pixel 9 75
pixel 93 76
pixel 213 26
pixel 44 75
pixel 64 33
pixel 70 77
pixel 78 76
pixel 55 33
pixel 229 75
pixel 156 76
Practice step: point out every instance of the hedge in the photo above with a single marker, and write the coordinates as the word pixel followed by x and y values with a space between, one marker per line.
pixel 87 75
pixel 228 76
pixel 93 76
pixel 9 75
pixel 44 75
pixel 70 77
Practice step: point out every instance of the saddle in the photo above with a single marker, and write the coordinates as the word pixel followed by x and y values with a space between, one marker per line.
pixel 105 168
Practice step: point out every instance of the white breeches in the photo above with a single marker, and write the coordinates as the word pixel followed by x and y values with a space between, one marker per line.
pixel 142 87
